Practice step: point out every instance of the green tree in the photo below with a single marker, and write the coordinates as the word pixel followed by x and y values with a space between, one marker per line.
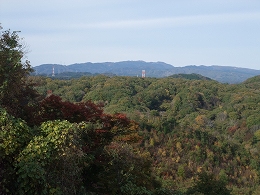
pixel 15 91
pixel 14 136
pixel 52 161
pixel 127 172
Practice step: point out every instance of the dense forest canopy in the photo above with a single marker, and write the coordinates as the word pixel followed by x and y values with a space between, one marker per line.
pixel 187 125
pixel 101 134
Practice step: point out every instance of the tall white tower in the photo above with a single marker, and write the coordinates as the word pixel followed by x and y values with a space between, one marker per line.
pixel 143 73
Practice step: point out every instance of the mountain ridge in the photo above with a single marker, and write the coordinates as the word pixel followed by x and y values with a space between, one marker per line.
pixel 223 74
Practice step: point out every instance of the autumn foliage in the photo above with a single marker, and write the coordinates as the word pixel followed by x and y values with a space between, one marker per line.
pixel 64 131
pixel 126 135
pixel 53 108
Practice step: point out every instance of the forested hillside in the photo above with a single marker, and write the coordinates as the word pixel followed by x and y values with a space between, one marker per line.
pixel 52 146
pixel 100 135
pixel 187 126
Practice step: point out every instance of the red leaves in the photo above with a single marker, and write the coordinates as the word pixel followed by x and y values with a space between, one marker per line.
pixel 117 119
pixel 53 108
pixel 116 126
pixel 105 127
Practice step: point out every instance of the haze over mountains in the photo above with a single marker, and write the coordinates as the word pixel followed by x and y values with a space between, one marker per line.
pixel 223 74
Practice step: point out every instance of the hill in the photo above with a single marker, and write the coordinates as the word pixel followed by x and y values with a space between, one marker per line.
pixel 223 74
pixel 187 126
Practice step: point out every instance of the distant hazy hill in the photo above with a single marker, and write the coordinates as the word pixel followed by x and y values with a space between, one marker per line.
pixel 224 74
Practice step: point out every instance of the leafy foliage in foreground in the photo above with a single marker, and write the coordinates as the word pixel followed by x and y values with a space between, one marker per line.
pixel 70 158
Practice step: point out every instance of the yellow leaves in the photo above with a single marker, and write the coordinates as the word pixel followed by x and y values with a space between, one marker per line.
pixel 257 135
pixel 190 163
pixel 151 142
pixel 167 91
pixel 178 159
pixel 164 153
pixel 179 146
pixel 200 120
pixel 199 169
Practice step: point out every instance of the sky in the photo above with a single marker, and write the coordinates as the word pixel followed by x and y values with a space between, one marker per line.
pixel 177 32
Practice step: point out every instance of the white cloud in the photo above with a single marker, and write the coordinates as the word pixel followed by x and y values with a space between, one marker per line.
pixel 175 21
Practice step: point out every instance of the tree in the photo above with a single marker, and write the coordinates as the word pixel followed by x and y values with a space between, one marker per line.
pixel 128 172
pixel 52 161
pixel 53 108
pixel 56 156
pixel 15 91
pixel 207 184
pixel 14 136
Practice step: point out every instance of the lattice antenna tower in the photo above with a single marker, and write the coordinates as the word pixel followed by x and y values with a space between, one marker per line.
pixel 53 74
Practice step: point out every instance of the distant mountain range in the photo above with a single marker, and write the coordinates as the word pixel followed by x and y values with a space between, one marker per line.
pixel 223 74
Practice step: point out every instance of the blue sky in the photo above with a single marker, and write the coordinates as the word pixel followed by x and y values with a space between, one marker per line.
pixel 178 32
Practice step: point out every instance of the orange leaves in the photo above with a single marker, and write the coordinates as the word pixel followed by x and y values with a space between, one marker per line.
pixel 233 129
pixel 124 129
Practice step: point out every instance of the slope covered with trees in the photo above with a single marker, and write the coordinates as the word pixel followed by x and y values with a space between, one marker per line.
pixel 187 126
pixel 125 135
pixel 52 146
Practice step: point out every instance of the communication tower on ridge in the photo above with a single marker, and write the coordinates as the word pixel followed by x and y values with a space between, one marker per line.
pixel 143 73
pixel 53 74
